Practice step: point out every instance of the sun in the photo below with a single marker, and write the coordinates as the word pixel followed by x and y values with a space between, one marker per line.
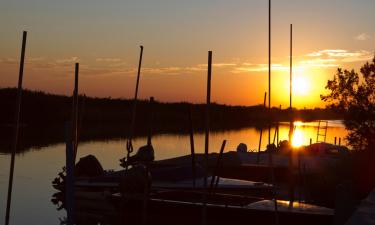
pixel 301 85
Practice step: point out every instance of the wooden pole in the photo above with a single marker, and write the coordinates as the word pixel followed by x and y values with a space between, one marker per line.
pixel 339 141
pixel 218 162
pixel 207 134
pixel 291 85
pixel 16 127
pixel 192 150
pixel 75 112
pixel 291 127
pixel 129 145
pixel 269 107
pixel 261 129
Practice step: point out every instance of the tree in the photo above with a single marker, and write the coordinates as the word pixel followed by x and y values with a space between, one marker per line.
pixel 354 95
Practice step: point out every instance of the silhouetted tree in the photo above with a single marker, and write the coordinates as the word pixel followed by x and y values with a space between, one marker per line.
pixel 354 95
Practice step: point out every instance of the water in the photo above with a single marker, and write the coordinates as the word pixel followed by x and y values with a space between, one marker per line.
pixel 35 169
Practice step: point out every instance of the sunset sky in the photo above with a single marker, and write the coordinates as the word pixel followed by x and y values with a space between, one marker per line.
pixel 104 36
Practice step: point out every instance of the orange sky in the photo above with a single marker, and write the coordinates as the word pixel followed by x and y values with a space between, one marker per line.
pixel 104 38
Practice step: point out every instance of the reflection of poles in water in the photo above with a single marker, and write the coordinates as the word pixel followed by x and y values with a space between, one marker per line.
pixel 207 134
pixel 16 127
pixel 192 150
pixel 270 161
pixel 261 130
pixel 129 144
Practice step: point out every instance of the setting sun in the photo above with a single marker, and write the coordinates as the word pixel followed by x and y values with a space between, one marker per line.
pixel 301 85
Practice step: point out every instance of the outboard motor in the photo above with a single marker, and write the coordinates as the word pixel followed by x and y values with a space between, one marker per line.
pixel 88 166
pixel 144 155
pixel 242 148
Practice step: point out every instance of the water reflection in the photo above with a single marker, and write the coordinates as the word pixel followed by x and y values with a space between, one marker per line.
pixel 36 168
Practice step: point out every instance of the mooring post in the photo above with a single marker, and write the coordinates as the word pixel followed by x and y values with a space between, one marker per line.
pixel 16 127
pixel 269 106
pixel 207 134
pixel 129 144
pixel 335 140
pixel 339 141
pixel 69 181
pixel 75 113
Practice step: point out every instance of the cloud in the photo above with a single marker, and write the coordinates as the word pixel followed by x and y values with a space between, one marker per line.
pixel 72 59
pixel 362 37
pixel 335 57
pixel 107 60
pixel 320 63
pixel 249 67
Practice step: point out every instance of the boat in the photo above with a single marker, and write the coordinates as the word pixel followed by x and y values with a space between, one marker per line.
pixel 185 207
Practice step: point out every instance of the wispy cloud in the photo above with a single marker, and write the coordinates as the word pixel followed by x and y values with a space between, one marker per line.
pixel 362 37
pixel 72 59
pixel 335 57
pixel 320 63
pixel 108 60
pixel 250 67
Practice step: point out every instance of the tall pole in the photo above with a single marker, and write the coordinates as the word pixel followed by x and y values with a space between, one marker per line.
pixel 291 85
pixel 75 112
pixel 291 128
pixel 16 127
pixel 269 107
pixel 269 68
pixel 129 145
pixel 207 134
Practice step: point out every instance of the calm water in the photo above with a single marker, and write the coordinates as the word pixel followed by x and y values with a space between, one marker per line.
pixel 35 169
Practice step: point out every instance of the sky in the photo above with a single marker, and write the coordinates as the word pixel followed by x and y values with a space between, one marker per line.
pixel 104 37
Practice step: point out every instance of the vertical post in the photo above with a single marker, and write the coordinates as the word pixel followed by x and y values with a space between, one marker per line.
pixel 16 127
pixel 310 141
pixel 75 113
pixel 207 134
pixel 291 128
pixel 269 68
pixel 261 129
pixel 129 145
pixel 192 150
pixel 151 121
pixel 69 165
pixel 269 106
pixel 335 140
pixel 339 141
pixel 291 85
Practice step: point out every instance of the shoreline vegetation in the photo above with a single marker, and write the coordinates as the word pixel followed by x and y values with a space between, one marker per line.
pixel 43 116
